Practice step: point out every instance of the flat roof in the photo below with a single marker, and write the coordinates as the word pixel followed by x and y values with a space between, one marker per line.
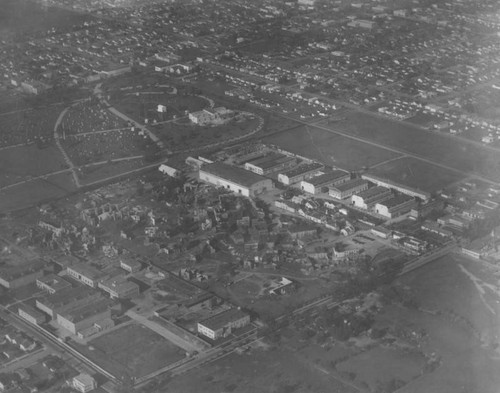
pixel 54 281
pixel 119 284
pixel 396 201
pixel 220 320
pixel 28 309
pixel 232 173
pixel 374 178
pixel 82 312
pixel 67 296
pixel 303 168
pixel 371 192
pixel 349 185
pixel 270 160
pixel 87 270
pixel 327 177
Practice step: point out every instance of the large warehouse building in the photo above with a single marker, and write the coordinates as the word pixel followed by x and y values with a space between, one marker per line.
pixel 235 179
pixel 403 189
pixel 318 184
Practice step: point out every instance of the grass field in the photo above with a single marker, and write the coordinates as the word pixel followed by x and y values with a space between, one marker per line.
pixel 461 324
pixel 133 349
pixel 417 174
pixel 330 148
pixel 36 191
pixel 19 163
pixel 446 150
pixel 95 173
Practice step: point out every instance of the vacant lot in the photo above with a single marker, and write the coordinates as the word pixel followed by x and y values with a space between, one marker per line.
pixel 460 324
pixel 36 191
pixel 417 174
pixel 443 149
pixel 20 163
pixel 331 149
pixel 133 349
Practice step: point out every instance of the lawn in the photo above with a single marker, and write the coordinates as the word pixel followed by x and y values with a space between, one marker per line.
pixel 417 174
pixel 330 148
pixel 134 349
pixel 443 149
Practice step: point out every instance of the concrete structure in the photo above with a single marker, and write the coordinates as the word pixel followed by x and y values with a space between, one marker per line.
pixel 299 173
pixel 119 288
pixel 169 170
pixel 235 179
pixel 382 232
pixel 52 283
pixel 222 324
pixel 131 265
pixel 84 316
pixel 66 298
pixel 86 274
pixel 403 189
pixel 321 183
pixel 270 163
pixel 349 188
pixel 83 383
pixel 395 206
pixel 13 277
pixel 368 198
pixel 31 314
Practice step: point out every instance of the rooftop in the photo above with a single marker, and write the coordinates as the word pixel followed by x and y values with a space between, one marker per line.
pixel 222 319
pixel 232 173
pixel 396 201
pixel 372 192
pixel 54 281
pixel 67 296
pixel 349 185
pixel 82 312
pixel 87 271
pixel 301 169
pixel 327 177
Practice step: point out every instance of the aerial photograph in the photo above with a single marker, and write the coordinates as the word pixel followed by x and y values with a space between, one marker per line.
pixel 250 196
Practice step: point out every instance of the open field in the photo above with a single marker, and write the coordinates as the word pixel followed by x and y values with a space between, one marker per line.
pixel 416 174
pixel 36 191
pixel 260 370
pixel 132 349
pixel 99 172
pixel 22 162
pixel 442 149
pixel 331 149
pixel 144 104
pixel 459 321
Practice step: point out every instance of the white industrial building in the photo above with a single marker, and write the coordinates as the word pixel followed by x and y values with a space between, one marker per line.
pixel 235 179
pixel 403 189
pixel 318 184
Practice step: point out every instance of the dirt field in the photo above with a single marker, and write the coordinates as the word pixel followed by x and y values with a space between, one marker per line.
pixel 19 163
pixel 133 349
pixel 270 371
pixel 418 174
pixel 36 191
pixel 458 309
pixel 330 148
pixel 440 148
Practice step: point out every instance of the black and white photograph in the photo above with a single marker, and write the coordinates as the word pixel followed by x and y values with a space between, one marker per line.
pixel 250 196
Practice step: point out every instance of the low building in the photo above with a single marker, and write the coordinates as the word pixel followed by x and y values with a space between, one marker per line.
pixel 15 276
pixel 83 383
pixel 66 298
pixel 222 324
pixel 31 314
pixel 270 163
pixel 169 170
pixel 477 249
pixel 131 265
pixel 236 179
pixel 349 188
pixel 299 173
pixel 52 283
pixel 381 232
pixel 433 227
pixel 395 206
pixel 86 274
pixel 365 24
pixel 119 288
pixel 424 209
pixel 321 183
pixel 403 189
pixel 84 316
pixel 368 198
